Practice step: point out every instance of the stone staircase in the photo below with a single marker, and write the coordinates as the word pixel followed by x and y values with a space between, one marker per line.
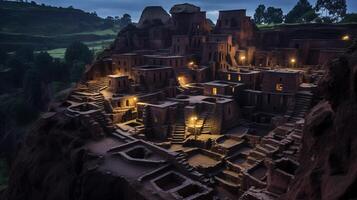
pixel 230 179
pixel 98 85
pixel 265 149
pixel 202 122
pixel 303 101
pixel 99 100
pixel 181 160
pixel 104 121
pixel 178 133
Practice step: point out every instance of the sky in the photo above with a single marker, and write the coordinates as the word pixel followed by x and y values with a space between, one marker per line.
pixel 106 8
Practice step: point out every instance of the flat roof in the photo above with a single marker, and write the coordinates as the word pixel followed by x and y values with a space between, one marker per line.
pixel 163 56
pixel 160 104
pixel 201 99
pixel 235 10
pixel 151 67
pixel 246 72
pixel 223 83
pixel 116 76
pixel 285 71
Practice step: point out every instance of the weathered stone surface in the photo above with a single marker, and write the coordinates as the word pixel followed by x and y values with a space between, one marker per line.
pixel 152 15
pixel 329 153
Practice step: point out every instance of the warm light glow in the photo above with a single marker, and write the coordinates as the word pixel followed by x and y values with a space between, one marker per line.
pixel 191 63
pixel 229 77
pixel 181 80
pixel 346 37
pixel 214 91
pixel 279 87
pixel 135 99
pixel 239 78
pixel 242 58
pixel 293 60
pixel 193 118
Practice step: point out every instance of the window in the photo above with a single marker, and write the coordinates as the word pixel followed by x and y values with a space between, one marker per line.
pixel 214 91
pixel 127 103
pixel 239 78
pixel 279 87
pixel 229 77
pixel 268 98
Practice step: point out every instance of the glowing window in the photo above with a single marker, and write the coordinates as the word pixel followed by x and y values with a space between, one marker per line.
pixel 239 78
pixel 229 77
pixel 214 91
pixel 346 37
pixel 279 87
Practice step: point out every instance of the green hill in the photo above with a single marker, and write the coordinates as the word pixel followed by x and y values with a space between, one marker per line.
pixel 44 27
pixel 20 17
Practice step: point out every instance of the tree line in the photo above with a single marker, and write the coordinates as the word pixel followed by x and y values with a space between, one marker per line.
pixel 324 11
pixel 35 77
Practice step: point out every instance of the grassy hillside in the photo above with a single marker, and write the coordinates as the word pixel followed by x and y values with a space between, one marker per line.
pixel 43 27
pixel 29 18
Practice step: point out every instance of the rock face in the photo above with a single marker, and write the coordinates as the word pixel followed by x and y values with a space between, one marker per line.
pixel 53 164
pixel 152 15
pixel 184 8
pixel 329 153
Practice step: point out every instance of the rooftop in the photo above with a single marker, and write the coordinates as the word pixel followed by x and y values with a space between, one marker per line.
pixel 151 67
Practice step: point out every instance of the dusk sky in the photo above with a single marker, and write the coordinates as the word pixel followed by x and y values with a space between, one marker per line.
pixel 134 7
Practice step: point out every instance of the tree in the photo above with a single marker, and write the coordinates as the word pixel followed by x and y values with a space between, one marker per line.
pixel 333 9
pixel 302 12
pixel 33 87
pixel 18 70
pixel 78 51
pixel 274 15
pixel 259 16
pixel 77 70
pixel 24 54
pixel 350 18
pixel 44 65
pixel 125 20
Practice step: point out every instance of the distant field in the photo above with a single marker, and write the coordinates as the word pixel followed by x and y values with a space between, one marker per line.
pixel 96 46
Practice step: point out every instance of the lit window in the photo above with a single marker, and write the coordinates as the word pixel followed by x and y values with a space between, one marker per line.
pixel 214 91
pixel 229 77
pixel 239 78
pixel 279 87
pixel 346 37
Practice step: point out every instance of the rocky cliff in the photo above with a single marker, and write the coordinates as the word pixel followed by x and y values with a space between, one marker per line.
pixel 153 14
pixel 329 153
pixel 53 164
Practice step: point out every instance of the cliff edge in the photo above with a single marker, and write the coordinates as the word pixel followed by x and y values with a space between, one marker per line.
pixel 329 154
